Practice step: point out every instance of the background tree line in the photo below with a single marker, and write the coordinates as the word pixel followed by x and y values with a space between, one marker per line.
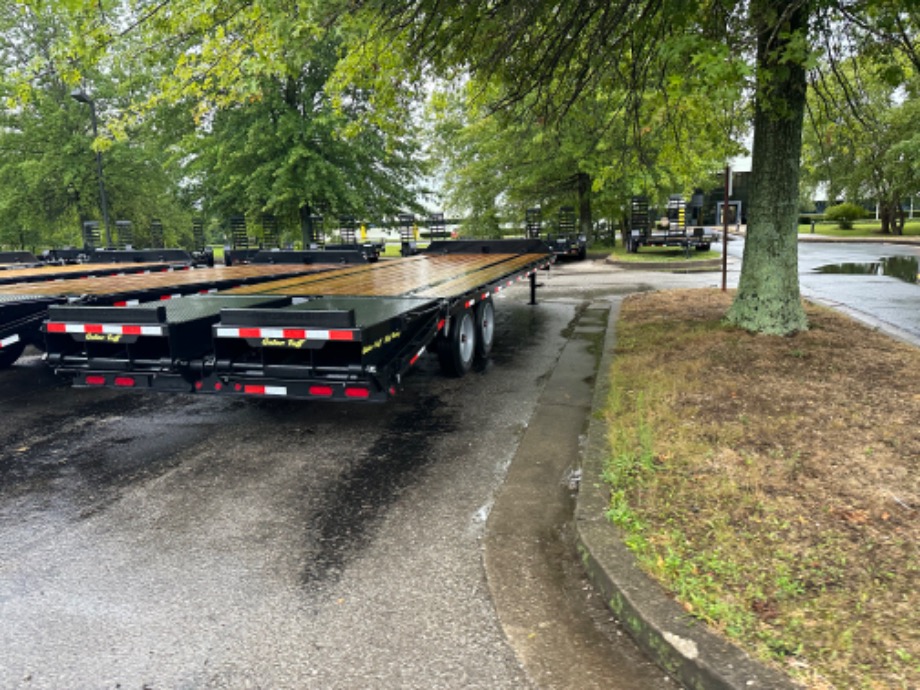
pixel 295 107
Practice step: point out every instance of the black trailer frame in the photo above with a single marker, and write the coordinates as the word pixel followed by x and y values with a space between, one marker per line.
pixel 340 347
pixel 22 315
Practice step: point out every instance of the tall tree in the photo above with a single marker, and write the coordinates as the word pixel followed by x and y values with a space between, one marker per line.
pixel 860 136
pixel 559 51
pixel 292 151
pixel 768 298
pixel 48 176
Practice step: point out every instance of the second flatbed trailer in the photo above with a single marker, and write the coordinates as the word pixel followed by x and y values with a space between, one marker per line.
pixel 347 334
pixel 24 306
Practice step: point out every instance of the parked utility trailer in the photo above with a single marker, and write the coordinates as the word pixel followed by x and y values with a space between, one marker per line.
pixel 43 272
pixel 346 334
pixel 670 231
pixel 24 306
pixel 18 259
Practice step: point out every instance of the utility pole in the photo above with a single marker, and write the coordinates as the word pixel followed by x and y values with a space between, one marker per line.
pixel 80 96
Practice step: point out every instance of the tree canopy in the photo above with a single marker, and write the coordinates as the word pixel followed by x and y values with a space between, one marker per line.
pixel 559 55
pixel 289 100
pixel 861 135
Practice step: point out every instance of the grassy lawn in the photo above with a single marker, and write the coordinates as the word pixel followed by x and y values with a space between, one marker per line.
pixel 771 484
pixel 861 228
pixel 659 254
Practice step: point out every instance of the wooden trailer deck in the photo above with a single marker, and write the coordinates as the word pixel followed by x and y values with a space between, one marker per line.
pixel 424 275
pixel 164 278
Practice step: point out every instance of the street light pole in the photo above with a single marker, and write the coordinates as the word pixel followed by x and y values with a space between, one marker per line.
pixel 80 96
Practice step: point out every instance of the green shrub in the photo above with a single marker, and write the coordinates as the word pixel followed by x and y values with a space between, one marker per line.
pixel 844 214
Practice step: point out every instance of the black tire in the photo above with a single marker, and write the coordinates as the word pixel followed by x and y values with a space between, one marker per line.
pixel 457 350
pixel 485 328
pixel 10 353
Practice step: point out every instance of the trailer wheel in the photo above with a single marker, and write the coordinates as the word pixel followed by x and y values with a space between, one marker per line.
pixel 485 328
pixel 10 353
pixel 456 351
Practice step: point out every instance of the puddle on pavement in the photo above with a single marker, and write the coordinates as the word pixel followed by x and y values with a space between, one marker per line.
pixel 901 267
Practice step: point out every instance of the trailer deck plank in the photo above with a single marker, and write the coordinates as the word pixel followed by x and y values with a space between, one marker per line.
pixel 115 284
pixel 54 272
pixel 483 276
pixel 419 275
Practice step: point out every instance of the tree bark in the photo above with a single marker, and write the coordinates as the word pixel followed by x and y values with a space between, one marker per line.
pixel 768 298
pixel 585 220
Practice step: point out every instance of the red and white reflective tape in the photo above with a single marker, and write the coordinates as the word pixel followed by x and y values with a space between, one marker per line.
pixel 499 288
pixel 104 328
pixel 286 333
pixel 253 389
pixel 9 340
pixel 128 303
pixel 207 292
pixel 416 358
pixel 175 295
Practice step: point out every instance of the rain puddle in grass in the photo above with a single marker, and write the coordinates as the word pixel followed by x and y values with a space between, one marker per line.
pixel 902 267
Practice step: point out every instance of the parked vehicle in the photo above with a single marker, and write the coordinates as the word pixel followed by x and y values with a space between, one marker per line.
pixel 347 334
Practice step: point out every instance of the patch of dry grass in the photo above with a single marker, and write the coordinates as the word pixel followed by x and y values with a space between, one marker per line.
pixel 772 483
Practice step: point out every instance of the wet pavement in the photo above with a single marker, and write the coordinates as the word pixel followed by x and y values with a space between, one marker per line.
pixel 881 297
pixel 197 542
pixel 184 542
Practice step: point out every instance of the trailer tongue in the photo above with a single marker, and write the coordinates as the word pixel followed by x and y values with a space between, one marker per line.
pixel 347 334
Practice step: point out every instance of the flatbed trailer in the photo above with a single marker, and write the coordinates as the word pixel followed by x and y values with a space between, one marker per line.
pixel 348 334
pixel 24 306
pixel 43 272
pixel 698 238
pixel 18 259
pixel 671 231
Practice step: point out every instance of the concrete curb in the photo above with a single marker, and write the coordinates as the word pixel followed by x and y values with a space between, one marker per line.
pixel 689 265
pixel 891 239
pixel 684 648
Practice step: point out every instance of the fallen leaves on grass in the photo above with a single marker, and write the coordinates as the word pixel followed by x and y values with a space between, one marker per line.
pixel 782 503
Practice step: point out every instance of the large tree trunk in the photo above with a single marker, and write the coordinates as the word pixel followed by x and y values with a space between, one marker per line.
pixel 768 298
pixel 892 216
pixel 585 220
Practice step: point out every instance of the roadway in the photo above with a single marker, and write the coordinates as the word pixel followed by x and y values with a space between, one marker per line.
pixel 197 542
pixel 880 300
